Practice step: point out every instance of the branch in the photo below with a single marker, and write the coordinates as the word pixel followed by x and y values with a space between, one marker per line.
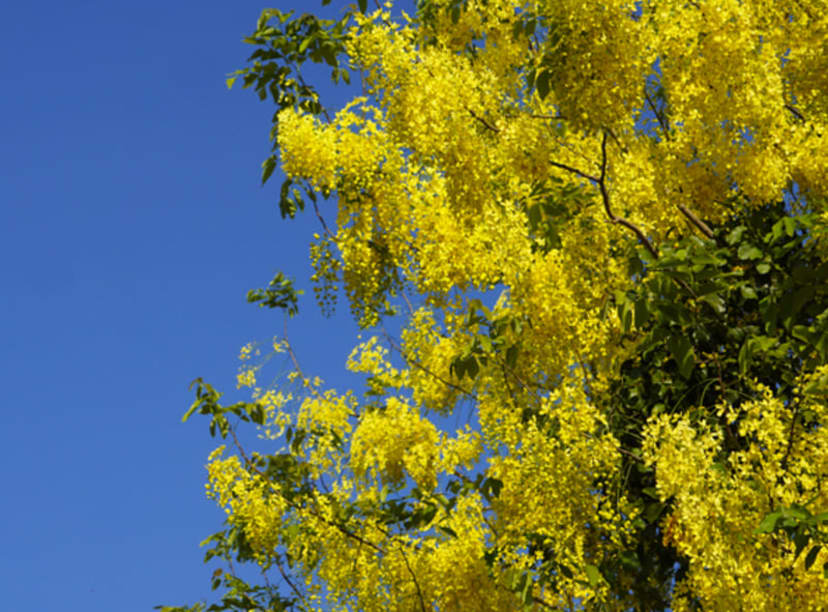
pixel 483 121
pixel 661 121
pixel 290 583
pixel 796 113
pixel 322 220
pixel 536 116
pixel 416 363
pixel 602 184
pixel 588 177
pixel 414 578
pixel 703 227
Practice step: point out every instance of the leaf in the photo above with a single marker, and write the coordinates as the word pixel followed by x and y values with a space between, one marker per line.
pixel 230 81
pixel 491 488
pixel 512 355
pixel 768 523
pixel 593 575
pixel 811 556
pixel 748 251
pixel 268 166
pixel 642 313
pixel 682 352
pixel 542 84
pixel 744 358
pixel 736 235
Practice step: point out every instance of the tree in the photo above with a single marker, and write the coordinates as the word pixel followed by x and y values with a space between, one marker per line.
pixel 601 227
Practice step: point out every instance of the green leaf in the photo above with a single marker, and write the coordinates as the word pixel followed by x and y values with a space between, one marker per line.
pixel 491 488
pixel 268 166
pixel 682 352
pixel 230 81
pixel 749 293
pixel 512 355
pixel 642 313
pixel 736 235
pixel 811 556
pixel 744 358
pixel 768 523
pixel 748 251
pixel 542 83
pixel 593 575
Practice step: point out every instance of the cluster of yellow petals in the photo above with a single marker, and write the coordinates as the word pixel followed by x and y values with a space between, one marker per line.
pixel 433 171
pixel 718 504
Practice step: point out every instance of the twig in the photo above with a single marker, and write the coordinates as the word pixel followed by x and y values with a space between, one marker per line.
pixel 618 142
pixel 588 177
pixel 602 184
pixel 701 225
pixel 322 220
pixel 536 116
pixel 796 113
pixel 414 578
pixel 538 600
pixel 416 363
pixel 659 118
pixel 483 121
pixel 290 583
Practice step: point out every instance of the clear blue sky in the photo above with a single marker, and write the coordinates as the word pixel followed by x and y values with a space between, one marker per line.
pixel 132 225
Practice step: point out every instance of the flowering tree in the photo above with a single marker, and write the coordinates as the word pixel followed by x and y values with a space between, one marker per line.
pixel 601 225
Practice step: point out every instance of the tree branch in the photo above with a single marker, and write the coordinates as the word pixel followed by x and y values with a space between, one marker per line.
pixel 414 578
pixel 588 177
pixel 661 121
pixel 602 184
pixel 483 121
pixel 701 225
pixel 796 113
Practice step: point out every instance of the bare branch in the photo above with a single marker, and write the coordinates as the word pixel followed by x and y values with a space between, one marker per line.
pixel 701 225
pixel 602 184
pixel 661 120
pixel 796 113
pixel 289 582
pixel 483 121
pixel 588 177
pixel 408 359
pixel 414 578
pixel 322 220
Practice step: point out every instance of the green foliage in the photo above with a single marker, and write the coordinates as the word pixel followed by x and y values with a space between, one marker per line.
pixel 709 318
pixel 279 294
pixel 284 43
pixel 207 403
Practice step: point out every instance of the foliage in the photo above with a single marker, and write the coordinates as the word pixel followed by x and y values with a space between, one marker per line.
pixel 600 227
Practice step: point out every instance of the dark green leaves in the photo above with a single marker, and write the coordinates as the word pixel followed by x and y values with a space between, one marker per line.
pixel 682 352
pixel 207 403
pixel 278 294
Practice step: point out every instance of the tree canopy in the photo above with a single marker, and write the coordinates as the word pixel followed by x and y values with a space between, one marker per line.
pixel 599 227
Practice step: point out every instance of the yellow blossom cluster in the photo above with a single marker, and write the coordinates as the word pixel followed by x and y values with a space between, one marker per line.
pixel 718 502
pixel 501 166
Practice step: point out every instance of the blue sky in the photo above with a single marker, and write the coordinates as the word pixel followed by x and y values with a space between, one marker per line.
pixel 133 224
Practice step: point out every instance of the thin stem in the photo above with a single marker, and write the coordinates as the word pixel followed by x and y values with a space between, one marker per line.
pixel 414 578
pixel 483 121
pixel 661 120
pixel 602 184
pixel 410 360
pixel 701 225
